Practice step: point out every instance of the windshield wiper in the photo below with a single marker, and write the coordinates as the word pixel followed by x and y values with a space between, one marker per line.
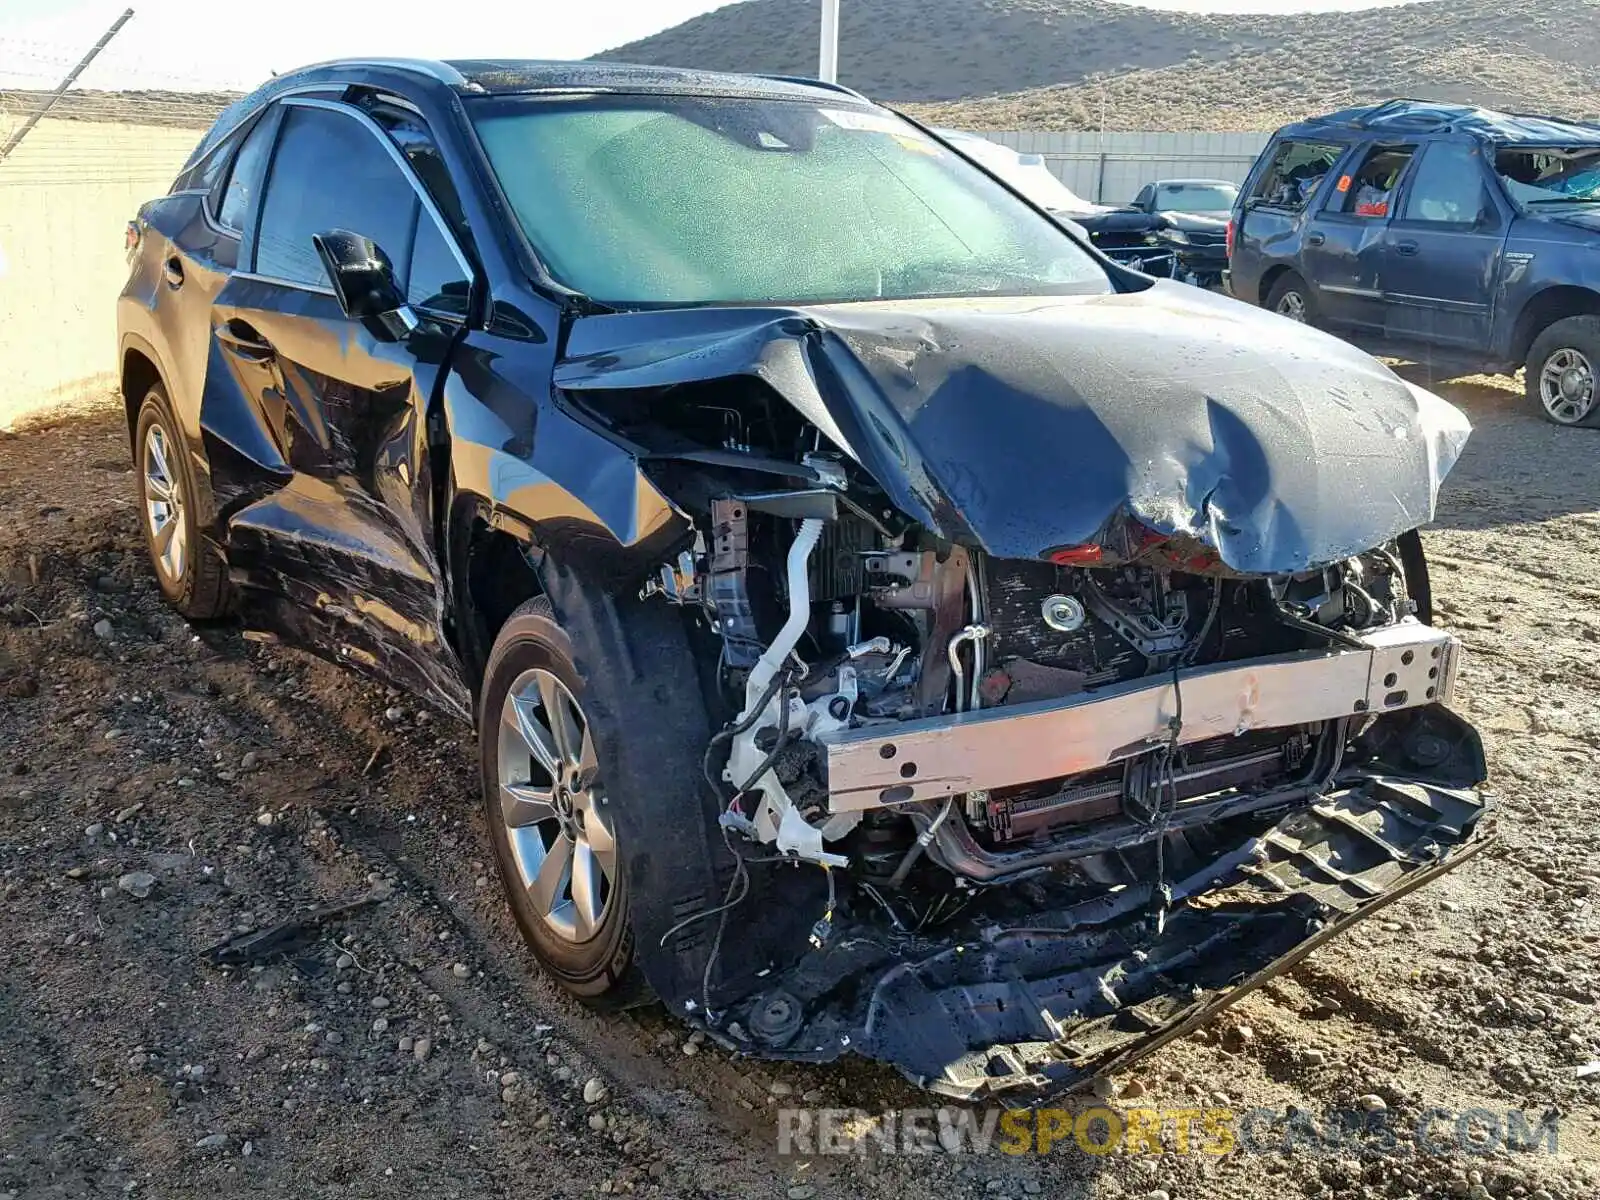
pixel 1564 200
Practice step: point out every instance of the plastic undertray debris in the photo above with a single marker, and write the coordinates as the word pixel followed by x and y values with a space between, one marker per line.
pixel 1020 1010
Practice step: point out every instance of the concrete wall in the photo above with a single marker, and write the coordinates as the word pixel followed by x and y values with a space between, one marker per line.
pixel 1112 167
pixel 66 196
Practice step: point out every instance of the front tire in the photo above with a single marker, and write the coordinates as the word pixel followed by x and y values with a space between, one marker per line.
pixel 551 820
pixel 1561 376
pixel 193 577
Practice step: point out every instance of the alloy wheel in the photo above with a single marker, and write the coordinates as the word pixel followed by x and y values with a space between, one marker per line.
pixel 1293 306
pixel 554 807
pixel 1567 386
pixel 163 505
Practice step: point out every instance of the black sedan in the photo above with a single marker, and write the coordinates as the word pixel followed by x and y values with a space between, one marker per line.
pixel 1196 213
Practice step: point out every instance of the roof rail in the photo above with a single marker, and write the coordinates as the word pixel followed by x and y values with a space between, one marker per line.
pixel 1577 124
pixel 1369 116
pixel 809 82
pixel 1397 107
pixel 441 72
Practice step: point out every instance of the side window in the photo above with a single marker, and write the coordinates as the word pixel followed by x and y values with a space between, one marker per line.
pixel 1448 187
pixel 407 132
pixel 1370 191
pixel 1145 198
pixel 435 281
pixel 1294 173
pixel 204 175
pixel 244 181
pixel 330 172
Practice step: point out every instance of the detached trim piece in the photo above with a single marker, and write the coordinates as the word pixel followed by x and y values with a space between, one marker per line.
pixel 1090 991
pixel 1404 666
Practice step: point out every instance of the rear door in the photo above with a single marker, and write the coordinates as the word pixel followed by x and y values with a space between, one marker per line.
pixel 317 427
pixel 1345 240
pixel 1443 250
pixel 200 250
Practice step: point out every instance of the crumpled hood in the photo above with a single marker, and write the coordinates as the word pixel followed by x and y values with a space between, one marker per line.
pixel 1113 220
pixel 1024 425
pixel 1192 222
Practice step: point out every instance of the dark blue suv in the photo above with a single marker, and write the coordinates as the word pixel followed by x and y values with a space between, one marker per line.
pixel 848 568
pixel 1451 235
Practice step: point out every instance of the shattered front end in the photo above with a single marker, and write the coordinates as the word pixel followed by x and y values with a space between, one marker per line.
pixel 1013 789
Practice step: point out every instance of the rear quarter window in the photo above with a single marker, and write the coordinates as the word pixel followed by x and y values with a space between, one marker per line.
pixel 1294 173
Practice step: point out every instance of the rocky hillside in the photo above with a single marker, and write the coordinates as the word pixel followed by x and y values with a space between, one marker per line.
pixel 1065 64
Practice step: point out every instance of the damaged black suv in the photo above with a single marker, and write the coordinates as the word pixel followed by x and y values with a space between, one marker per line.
pixel 890 626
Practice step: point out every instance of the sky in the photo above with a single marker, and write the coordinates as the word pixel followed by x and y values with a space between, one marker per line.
pixel 40 40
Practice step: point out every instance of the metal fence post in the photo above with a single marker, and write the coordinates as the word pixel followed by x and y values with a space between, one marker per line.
pixel 72 75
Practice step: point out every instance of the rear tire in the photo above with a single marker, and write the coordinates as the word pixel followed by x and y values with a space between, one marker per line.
pixel 579 925
pixel 1291 298
pixel 192 575
pixel 1563 373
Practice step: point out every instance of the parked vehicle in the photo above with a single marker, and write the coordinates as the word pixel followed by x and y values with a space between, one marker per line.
pixel 1196 213
pixel 890 627
pixel 1134 239
pixel 1443 233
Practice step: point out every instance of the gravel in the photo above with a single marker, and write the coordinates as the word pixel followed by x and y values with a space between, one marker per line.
pixel 137 884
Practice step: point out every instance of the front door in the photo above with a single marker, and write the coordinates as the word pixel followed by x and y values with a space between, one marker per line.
pixel 1442 257
pixel 1344 243
pixel 317 427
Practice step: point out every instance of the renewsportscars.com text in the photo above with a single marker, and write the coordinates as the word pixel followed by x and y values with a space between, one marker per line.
pixel 1101 1130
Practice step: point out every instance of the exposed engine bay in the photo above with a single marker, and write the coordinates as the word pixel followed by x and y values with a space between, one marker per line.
pixel 838 634
pixel 1047 720
pixel 965 744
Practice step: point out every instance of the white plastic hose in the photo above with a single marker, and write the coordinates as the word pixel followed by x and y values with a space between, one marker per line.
pixel 799 615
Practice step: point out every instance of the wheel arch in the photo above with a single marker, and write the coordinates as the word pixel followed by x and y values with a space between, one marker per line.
pixel 139 370
pixel 495 552
pixel 492 564
pixel 1269 280
pixel 1543 309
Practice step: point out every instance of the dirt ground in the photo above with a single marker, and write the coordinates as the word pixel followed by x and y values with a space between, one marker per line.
pixel 412 1048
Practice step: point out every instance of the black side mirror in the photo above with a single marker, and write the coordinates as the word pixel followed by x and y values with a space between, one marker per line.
pixel 363 280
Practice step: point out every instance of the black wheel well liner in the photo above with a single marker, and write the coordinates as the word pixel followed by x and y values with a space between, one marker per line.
pixel 139 373
pixel 492 574
pixel 1544 309
pixel 1269 280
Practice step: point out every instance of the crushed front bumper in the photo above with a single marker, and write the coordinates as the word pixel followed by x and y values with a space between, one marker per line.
pixel 1050 977
pixel 1032 1006
pixel 1400 667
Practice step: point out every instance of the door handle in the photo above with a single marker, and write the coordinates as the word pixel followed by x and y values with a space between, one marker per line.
pixel 248 348
pixel 1408 248
pixel 1316 239
pixel 173 270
